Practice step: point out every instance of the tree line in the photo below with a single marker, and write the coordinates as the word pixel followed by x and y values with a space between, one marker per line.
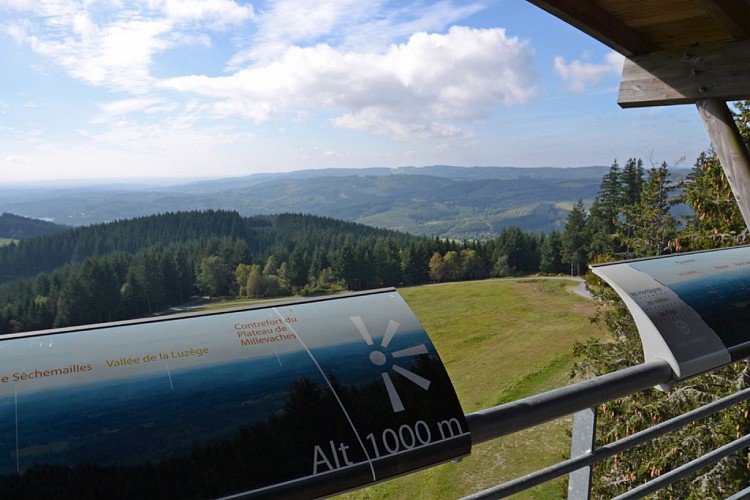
pixel 131 268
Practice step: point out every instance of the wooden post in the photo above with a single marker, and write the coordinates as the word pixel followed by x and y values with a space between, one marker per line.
pixel 729 146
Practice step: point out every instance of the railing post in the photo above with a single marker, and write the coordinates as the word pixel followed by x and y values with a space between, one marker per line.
pixel 582 443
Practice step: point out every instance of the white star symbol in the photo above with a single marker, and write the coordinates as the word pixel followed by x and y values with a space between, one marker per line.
pixel 379 358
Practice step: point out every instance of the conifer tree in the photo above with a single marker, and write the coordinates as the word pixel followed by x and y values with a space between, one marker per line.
pixel 345 266
pixel 631 179
pixel 575 239
pixel 296 271
pixel 716 218
pixel 551 254
pixel 603 216
pixel 647 227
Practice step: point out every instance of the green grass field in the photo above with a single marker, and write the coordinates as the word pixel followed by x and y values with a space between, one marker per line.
pixel 6 241
pixel 500 340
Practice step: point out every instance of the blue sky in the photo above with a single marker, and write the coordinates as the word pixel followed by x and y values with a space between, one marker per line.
pixel 215 88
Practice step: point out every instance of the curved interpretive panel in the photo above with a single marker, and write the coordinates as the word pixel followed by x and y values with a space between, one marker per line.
pixel 298 399
pixel 691 309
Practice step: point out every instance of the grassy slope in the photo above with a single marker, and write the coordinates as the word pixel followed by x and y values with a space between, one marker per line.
pixel 500 340
pixel 6 241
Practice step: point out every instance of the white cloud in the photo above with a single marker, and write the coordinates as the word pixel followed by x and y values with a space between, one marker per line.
pixel 399 24
pixel 17 30
pixel 289 22
pixel 119 55
pixel 16 159
pixel 114 109
pixel 415 90
pixel 296 20
pixel 217 13
pixel 17 4
pixel 580 74
pixel 351 25
pixel 116 48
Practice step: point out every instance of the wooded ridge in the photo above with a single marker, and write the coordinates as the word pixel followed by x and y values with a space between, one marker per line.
pixel 445 201
pixel 16 227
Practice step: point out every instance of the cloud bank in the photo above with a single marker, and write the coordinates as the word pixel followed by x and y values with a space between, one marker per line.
pixel 407 71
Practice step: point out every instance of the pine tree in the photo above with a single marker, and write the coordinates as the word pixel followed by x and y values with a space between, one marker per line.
pixel 296 273
pixel 551 254
pixel 603 216
pixel 717 219
pixel 575 239
pixel 631 179
pixel 519 248
pixel 647 228
pixel 410 265
pixel 388 261
pixel 345 267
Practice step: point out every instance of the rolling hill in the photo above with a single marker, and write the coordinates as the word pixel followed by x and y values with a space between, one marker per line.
pixel 446 201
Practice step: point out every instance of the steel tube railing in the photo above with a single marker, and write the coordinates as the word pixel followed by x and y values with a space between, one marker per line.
pixel 515 416
pixel 741 495
pixel 611 449
pixel 684 470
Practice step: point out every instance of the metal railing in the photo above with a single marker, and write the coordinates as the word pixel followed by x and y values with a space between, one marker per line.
pixel 581 399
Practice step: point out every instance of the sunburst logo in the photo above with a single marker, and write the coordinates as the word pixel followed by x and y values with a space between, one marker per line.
pixel 380 358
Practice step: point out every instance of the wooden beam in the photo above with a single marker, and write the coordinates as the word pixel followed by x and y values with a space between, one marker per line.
pixel 730 148
pixel 734 15
pixel 683 76
pixel 593 20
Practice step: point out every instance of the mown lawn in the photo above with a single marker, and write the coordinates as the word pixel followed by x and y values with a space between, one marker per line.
pixel 500 340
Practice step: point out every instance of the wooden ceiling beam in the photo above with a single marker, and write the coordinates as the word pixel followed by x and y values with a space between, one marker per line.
pixel 598 23
pixel 684 76
pixel 734 15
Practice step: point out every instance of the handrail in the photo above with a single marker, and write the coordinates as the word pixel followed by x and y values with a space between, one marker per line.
pixel 686 469
pixel 611 449
pixel 515 416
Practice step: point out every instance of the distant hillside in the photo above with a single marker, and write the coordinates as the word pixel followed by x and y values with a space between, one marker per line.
pixel 16 227
pixel 446 201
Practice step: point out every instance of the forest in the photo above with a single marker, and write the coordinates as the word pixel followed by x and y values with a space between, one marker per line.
pixel 128 269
